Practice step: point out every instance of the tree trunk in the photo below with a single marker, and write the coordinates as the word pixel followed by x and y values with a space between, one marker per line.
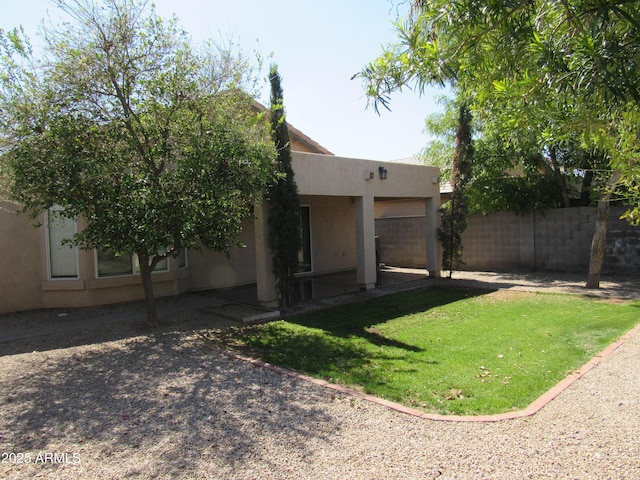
pixel 451 231
pixel 598 244
pixel 147 285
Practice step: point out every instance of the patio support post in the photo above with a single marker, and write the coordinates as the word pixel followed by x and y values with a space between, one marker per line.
pixel 265 280
pixel 433 246
pixel 365 242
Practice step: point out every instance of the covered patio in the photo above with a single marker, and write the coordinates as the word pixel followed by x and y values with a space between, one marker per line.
pixel 324 286
pixel 340 195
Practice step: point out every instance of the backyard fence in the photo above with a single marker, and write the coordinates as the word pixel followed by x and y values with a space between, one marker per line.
pixel 554 240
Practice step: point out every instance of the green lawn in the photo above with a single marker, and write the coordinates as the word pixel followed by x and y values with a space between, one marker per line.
pixel 450 351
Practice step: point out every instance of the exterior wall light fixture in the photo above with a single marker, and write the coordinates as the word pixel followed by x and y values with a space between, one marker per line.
pixel 383 173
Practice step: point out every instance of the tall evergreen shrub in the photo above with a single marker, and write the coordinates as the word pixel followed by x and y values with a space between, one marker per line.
pixel 284 204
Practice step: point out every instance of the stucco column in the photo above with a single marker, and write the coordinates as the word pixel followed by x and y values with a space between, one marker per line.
pixel 365 242
pixel 432 218
pixel 265 279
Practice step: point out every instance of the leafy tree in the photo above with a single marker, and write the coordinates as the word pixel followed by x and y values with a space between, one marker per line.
pixel 506 175
pixel 533 136
pixel 126 125
pixel 284 203
pixel 626 161
pixel 455 213
pixel 442 127
pixel 559 72
pixel 522 175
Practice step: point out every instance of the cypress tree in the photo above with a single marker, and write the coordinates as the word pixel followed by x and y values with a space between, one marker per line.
pixel 455 213
pixel 284 204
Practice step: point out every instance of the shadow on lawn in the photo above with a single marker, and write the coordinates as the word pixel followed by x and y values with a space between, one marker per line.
pixel 320 348
pixel 358 319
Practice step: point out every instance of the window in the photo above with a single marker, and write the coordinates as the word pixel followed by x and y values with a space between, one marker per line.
pixel 183 258
pixel 304 255
pixel 162 266
pixel 111 264
pixel 63 258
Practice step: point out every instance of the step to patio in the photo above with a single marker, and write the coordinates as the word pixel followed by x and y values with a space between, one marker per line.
pixel 243 313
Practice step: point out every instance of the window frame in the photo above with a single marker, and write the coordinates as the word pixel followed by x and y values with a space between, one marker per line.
pixel 133 262
pixel 184 253
pixel 48 222
pixel 304 244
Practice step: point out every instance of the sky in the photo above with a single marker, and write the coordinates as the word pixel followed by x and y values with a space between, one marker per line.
pixel 318 46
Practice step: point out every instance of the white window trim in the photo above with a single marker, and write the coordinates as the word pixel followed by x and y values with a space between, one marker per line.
pixel 48 250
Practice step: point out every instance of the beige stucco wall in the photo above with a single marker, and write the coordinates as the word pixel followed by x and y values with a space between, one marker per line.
pixel 339 191
pixel 20 275
pixel 24 273
pixel 214 270
pixel 339 176
pixel 333 233
pixel 361 182
pixel 25 282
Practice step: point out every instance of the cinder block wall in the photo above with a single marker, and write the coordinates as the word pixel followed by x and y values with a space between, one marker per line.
pixel 555 240
pixel 501 241
pixel 623 245
pixel 402 241
pixel 563 239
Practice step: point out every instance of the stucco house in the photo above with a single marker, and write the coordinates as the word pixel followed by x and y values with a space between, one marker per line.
pixel 338 197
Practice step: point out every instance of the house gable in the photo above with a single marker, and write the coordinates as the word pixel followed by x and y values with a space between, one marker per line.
pixel 302 143
pixel 299 141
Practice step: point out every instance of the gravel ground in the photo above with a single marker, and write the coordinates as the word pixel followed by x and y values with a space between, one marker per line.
pixel 120 402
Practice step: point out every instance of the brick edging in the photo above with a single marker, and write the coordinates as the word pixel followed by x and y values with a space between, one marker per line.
pixel 532 409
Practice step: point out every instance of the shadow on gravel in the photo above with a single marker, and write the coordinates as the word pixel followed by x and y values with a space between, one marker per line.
pixel 165 398
pixel 45 330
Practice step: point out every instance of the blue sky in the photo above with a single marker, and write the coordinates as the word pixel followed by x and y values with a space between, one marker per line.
pixel 318 46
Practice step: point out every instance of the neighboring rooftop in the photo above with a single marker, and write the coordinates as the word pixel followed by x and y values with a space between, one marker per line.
pixel 415 160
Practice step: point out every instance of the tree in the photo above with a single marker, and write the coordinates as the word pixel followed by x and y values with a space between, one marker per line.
pixel 566 70
pixel 507 175
pixel 126 125
pixel 284 204
pixel 442 127
pixel 523 173
pixel 455 213
pixel 599 237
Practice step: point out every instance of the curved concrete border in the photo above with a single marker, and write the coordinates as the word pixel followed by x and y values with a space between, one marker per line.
pixel 535 407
